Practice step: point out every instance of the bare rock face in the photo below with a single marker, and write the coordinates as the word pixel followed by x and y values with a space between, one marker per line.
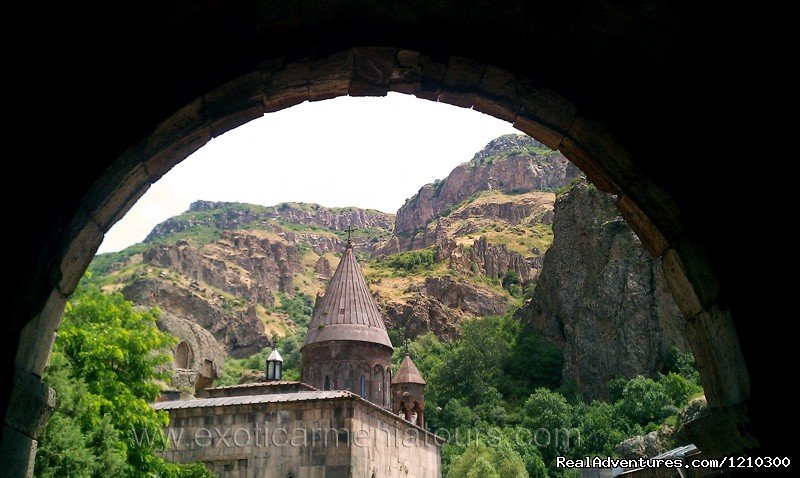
pixel 421 314
pixel 439 305
pixel 240 263
pixel 463 296
pixel 509 163
pixel 240 333
pixel 493 260
pixel 601 297
pixel 645 446
pixel 323 269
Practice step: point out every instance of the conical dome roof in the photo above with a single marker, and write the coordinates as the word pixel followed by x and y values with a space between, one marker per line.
pixel 408 372
pixel 347 311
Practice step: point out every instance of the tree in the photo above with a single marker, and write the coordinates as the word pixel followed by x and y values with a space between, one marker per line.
pixel 548 416
pixel 482 469
pixel 601 429
pixel 645 401
pixel 479 461
pixel 532 362
pixel 105 365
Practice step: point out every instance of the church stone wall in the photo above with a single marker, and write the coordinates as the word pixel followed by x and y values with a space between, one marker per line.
pixel 396 448
pixel 302 439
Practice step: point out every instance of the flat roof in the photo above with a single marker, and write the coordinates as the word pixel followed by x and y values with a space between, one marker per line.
pixel 251 399
pixel 273 383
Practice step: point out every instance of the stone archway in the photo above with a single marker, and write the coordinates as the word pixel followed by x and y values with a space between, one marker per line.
pixel 434 53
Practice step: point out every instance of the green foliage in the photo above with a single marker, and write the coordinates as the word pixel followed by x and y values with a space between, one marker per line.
pixel 549 418
pixel 104 367
pixel 479 461
pixel 103 264
pixel 576 180
pixel 645 401
pixel 601 429
pixel 411 261
pixel 532 362
pixel 289 348
pixel 298 307
pixel 681 363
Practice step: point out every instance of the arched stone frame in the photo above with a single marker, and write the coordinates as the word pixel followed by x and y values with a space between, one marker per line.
pixel 387 384
pixel 183 356
pixel 344 376
pixel 312 376
pixel 418 417
pixel 378 386
pixel 363 370
pixel 445 77
pixel 327 376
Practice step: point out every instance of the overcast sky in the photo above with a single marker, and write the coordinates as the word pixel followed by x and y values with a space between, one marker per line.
pixel 365 152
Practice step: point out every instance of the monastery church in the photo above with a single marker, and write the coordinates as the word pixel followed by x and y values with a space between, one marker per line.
pixel 347 417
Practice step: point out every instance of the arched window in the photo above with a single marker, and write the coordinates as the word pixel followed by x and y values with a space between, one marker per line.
pixel 182 355
pixel 362 387
pixel 327 385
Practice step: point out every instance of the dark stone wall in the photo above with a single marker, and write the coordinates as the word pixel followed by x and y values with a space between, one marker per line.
pixel 344 363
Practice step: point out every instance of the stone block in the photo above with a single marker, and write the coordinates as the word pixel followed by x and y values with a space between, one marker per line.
pixel 330 77
pixel 84 238
pixel 285 85
pixel 406 74
pixel 599 145
pixel 659 206
pixel 547 107
pixel 648 233
pixel 686 282
pixel 587 163
pixel 720 432
pixel 715 345
pixel 461 80
pixel 372 70
pixel 495 108
pixel 118 190
pixel 37 337
pixel 166 157
pixel 17 454
pixel 30 405
pixel 541 132
pixel 235 103
pixel 432 73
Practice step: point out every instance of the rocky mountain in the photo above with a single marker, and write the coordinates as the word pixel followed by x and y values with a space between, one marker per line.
pixel 510 163
pixel 476 243
pixel 227 216
pixel 229 267
pixel 226 266
pixel 601 297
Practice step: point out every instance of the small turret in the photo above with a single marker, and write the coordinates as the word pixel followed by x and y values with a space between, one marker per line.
pixel 408 392
pixel 274 366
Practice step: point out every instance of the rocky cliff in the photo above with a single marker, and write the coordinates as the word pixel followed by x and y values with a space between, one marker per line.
pixel 468 246
pixel 511 163
pixel 226 216
pixel 203 267
pixel 600 296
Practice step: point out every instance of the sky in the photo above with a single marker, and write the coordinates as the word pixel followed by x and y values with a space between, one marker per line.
pixel 364 152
